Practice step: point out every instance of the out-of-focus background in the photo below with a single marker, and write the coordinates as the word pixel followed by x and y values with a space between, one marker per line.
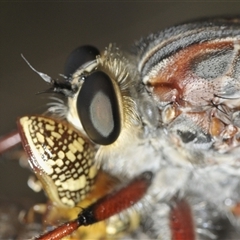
pixel 46 32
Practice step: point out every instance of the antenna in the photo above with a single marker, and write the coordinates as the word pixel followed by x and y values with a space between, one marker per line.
pixel 44 76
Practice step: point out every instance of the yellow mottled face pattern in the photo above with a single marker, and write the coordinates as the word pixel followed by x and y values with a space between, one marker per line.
pixel 60 157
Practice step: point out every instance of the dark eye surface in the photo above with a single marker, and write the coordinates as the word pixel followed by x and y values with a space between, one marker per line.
pixel 78 57
pixel 98 109
pixel 186 136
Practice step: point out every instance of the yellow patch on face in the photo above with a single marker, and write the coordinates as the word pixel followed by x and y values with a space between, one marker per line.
pixel 40 137
pixel 70 156
pixel 50 127
pixel 72 148
pixel 56 135
pixel 61 154
pixel 92 172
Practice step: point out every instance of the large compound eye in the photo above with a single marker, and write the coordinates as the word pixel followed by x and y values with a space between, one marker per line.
pixel 98 109
pixel 78 57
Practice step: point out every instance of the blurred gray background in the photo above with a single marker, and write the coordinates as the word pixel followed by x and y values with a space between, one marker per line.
pixel 47 32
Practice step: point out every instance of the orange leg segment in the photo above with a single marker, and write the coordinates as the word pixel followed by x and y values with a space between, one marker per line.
pixel 105 207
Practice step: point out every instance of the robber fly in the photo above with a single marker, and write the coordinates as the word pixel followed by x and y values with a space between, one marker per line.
pixel 147 145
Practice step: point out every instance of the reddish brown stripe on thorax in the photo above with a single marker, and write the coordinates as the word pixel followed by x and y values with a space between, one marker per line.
pixel 175 79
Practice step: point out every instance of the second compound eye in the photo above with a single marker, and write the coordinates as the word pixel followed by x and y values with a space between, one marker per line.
pixel 78 57
pixel 98 109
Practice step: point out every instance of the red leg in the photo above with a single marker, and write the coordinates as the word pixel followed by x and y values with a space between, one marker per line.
pixel 181 221
pixel 236 210
pixel 8 141
pixel 105 207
